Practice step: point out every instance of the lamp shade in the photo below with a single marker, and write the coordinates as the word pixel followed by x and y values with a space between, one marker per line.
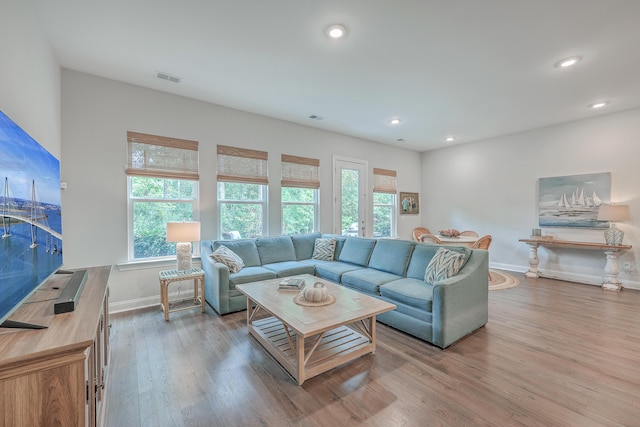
pixel 183 231
pixel 613 213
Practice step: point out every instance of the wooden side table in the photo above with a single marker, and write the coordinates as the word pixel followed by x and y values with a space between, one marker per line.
pixel 170 276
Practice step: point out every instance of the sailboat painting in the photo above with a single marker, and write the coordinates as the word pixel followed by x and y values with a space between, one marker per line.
pixel 574 200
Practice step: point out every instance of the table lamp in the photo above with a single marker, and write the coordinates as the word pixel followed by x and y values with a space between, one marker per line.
pixel 183 233
pixel 613 213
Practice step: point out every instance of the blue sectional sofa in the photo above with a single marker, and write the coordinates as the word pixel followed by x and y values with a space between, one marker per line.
pixel 393 270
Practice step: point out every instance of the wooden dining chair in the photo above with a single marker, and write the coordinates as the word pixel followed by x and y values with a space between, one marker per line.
pixel 483 243
pixel 430 238
pixel 419 231
pixel 469 233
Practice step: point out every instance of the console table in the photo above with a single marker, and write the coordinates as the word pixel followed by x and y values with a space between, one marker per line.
pixel 611 269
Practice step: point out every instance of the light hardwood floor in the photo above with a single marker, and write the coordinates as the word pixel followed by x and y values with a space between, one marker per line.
pixel 553 354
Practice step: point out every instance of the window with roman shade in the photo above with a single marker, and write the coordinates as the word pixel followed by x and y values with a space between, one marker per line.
pixel 384 181
pixel 242 192
pixel 299 194
pixel 162 186
pixel 159 156
pixel 384 203
pixel 300 172
pixel 242 165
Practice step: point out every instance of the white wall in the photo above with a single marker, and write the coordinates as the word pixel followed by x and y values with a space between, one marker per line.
pixel 96 115
pixel 492 187
pixel 29 75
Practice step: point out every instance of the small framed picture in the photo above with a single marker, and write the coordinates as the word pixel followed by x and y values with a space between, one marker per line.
pixel 409 203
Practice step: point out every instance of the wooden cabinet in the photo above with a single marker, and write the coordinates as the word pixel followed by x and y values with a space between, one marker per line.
pixel 56 376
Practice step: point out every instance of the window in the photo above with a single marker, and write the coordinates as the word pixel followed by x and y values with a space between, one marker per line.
pixel 242 192
pixel 162 186
pixel 384 203
pixel 300 184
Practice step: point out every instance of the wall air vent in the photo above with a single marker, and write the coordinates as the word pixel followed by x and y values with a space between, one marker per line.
pixel 169 77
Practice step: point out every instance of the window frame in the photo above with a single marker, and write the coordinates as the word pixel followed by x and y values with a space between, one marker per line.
pixel 315 204
pixel 264 202
pixel 131 200
pixel 394 214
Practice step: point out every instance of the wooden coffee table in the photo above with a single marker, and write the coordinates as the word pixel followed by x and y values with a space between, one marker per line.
pixel 308 341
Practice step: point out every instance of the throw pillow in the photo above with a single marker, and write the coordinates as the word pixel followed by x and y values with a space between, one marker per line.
pixel 229 258
pixel 323 249
pixel 444 264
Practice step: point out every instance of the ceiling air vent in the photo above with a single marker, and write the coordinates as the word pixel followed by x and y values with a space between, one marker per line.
pixel 169 77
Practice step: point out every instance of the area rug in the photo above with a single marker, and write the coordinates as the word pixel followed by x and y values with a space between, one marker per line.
pixel 501 280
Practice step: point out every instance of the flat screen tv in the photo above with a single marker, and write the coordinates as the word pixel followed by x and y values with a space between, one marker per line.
pixel 31 217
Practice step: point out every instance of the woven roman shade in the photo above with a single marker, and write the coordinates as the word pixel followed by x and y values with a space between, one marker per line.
pixel 384 181
pixel 242 165
pixel 300 172
pixel 159 156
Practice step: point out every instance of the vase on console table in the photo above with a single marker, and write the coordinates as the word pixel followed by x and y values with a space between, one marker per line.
pixel 613 213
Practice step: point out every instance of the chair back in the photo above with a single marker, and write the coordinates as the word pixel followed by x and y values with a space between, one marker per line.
pixel 430 238
pixel 469 233
pixel 419 231
pixel 482 243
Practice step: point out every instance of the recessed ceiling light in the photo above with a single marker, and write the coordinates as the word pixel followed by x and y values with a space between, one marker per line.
pixel 449 139
pixel 336 31
pixel 568 62
pixel 598 105
pixel 395 121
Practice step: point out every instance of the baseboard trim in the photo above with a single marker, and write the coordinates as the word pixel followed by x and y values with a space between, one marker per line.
pixel 138 303
pixel 567 276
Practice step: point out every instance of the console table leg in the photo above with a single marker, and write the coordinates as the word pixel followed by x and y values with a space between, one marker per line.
pixel 611 270
pixel 533 272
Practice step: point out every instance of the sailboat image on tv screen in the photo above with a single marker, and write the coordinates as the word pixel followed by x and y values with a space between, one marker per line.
pixel 573 201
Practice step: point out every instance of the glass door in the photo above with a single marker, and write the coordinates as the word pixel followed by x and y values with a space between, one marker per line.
pixel 350 181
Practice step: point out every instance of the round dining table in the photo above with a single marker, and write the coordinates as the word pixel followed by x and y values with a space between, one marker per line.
pixel 467 241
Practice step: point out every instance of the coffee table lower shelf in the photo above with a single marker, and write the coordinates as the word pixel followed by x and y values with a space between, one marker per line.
pixel 311 356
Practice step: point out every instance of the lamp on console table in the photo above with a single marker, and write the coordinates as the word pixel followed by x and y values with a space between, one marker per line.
pixel 613 213
pixel 183 233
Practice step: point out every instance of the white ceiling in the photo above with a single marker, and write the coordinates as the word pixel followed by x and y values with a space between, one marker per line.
pixel 474 69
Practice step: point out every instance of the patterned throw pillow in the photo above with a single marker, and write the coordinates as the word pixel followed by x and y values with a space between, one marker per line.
pixel 323 249
pixel 444 264
pixel 229 258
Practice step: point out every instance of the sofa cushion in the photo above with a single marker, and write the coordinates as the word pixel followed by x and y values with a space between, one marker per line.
pixel 333 270
pixel 227 257
pixel 391 256
pixel 368 279
pixel 422 254
pixel 250 274
pixel 303 245
pixel 275 249
pixel 357 250
pixel 290 268
pixel 244 248
pixel 444 264
pixel 324 249
pixel 412 292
